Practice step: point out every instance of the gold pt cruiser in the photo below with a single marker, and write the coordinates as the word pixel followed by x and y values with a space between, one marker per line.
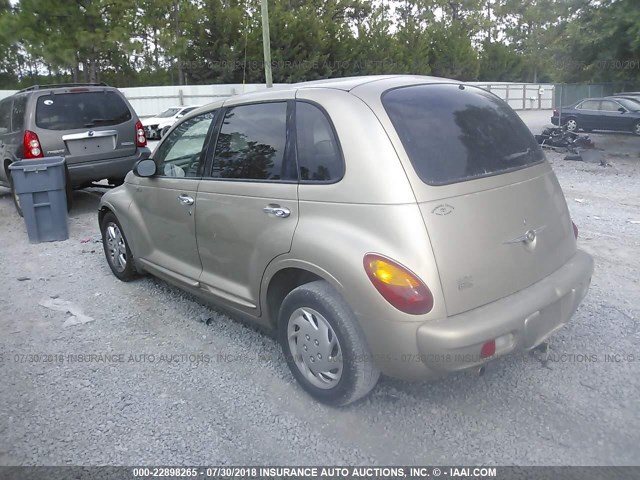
pixel 402 225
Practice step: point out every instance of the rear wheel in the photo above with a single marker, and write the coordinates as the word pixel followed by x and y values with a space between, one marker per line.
pixel 324 346
pixel 16 198
pixel 572 125
pixel 68 188
pixel 116 249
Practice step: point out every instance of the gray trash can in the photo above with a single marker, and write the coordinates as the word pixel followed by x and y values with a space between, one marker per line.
pixel 40 185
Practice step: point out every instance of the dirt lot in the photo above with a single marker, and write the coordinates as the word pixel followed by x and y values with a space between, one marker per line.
pixel 186 385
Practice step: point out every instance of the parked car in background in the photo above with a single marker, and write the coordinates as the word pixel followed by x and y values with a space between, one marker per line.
pixel 91 125
pixel 398 224
pixel 628 94
pixel 627 98
pixel 609 113
pixel 156 127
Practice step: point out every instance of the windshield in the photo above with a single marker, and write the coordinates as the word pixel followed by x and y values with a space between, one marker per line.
pixel 453 133
pixel 168 113
pixel 69 111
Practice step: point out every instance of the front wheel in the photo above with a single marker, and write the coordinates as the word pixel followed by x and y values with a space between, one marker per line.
pixel 116 249
pixel 324 346
pixel 636 128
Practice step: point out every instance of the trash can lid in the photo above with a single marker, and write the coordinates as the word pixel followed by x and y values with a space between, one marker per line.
pixel 37 163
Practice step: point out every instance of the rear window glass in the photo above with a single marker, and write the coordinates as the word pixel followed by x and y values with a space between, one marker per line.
pixel 454 134
pixel 17 113
pixel 68 111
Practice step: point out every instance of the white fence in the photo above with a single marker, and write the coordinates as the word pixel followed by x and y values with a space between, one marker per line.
pixel 148 101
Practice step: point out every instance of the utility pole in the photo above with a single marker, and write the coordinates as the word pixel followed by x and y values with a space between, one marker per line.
pixel 266 43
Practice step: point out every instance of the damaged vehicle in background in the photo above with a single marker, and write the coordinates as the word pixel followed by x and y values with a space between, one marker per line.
pixel 157 127
pixel 402 225
pixel 607 113
pixel 91 125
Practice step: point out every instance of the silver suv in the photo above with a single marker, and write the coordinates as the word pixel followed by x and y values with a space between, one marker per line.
pixel 395 224
pixel 92 126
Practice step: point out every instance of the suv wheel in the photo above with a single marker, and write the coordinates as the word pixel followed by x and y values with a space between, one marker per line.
pixel 16 198
pixel 116 249
pixel 324 345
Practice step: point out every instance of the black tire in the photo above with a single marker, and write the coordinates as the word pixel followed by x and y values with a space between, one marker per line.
pixel 68 189
pixel 359 373
pixel 16 200
pixel 636 128
pixel 129 272
pixel 164 131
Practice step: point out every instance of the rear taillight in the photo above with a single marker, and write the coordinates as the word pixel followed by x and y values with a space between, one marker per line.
pixel 141 138
pixel 555 113
pixel 400 287
pixel 575 230
pixel 32 147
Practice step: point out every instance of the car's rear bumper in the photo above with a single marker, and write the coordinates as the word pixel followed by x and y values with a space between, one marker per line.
pixel 522 320
pixel 423 350
pixel 83 173
pixel 555 120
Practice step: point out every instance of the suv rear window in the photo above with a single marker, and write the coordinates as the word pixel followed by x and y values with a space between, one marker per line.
pixel 453 133
pixel 68 111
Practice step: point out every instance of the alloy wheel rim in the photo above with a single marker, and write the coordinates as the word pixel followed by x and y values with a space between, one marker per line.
pixel 116 247
pixel 637 129
pixel 571 125
pixel 315 348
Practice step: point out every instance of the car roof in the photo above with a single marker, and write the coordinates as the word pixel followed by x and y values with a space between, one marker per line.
pixel 345 84
pixel 626 97
pixel 66 87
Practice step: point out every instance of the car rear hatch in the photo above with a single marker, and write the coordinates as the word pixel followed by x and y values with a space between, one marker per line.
pixel 85 125
pixel 494 211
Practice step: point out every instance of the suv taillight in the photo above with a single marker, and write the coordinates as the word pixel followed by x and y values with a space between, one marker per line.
pixel 32 147
pixel 555 113
pixel 141 138
pixel 400 287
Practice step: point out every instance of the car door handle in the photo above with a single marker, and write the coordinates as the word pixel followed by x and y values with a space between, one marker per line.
pixel 277 210
pixel 185 199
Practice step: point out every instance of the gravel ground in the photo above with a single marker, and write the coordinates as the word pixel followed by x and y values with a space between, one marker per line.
pixel 187 385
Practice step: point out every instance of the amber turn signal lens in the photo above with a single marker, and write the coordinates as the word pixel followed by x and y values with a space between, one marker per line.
pixel 398 285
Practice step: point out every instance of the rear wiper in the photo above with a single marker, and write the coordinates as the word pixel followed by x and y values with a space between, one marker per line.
pixel 513 156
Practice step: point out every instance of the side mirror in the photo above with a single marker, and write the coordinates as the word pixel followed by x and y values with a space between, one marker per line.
pixel 621 110
pixel 145 168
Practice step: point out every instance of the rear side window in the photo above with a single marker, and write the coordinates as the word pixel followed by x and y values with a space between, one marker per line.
pixel 453 134
pixel 17 113
pixel 68 111
pixel 251 144
pixel 319 158
pixel 5 115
